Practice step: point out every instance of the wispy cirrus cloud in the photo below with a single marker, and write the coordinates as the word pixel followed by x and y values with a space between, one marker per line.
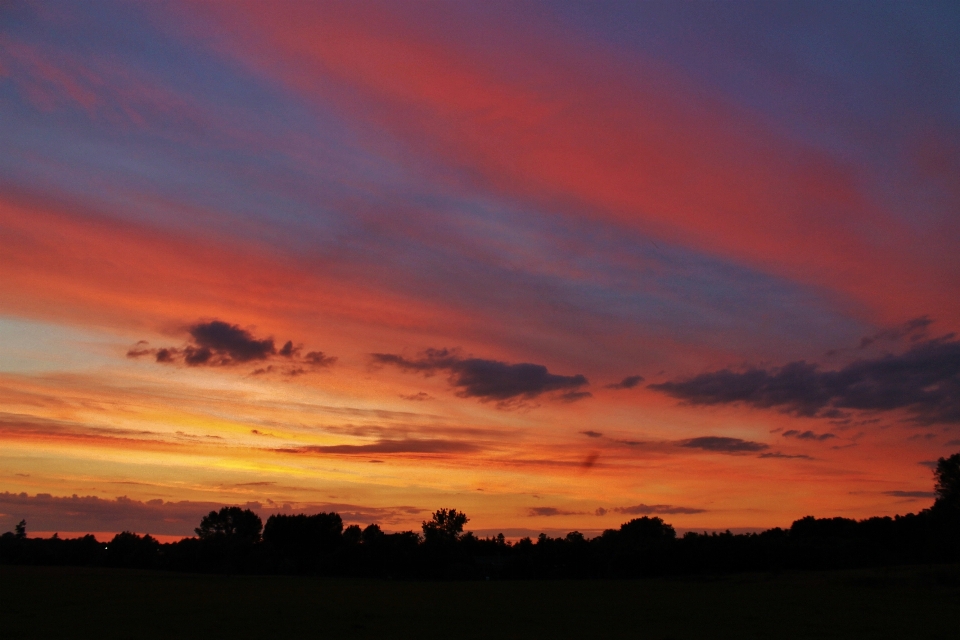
pixel 435 92
pixel 35 429
pixel 408 446
pixel 917 495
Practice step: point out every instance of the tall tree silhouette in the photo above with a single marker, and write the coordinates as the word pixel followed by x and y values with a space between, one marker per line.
pixel 947 487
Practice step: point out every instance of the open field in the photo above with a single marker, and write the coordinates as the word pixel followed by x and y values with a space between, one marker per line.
pixel 63 602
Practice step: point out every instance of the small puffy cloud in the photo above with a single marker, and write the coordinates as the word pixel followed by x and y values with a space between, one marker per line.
pixel 654 509
pixel 417 397
pixel 589 461
pixel 788 456
pixel 592 434
pixel 807 435
pixel 228 342
pixel 218 343
pixel 551 511
pixel 489 379
pixel 319 359
pixel 917 495
pixel 627 383
pixel 409 445
pixel 288 350
pixel 721 444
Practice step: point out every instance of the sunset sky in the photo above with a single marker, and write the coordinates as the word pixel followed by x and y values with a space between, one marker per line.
pixel 557 265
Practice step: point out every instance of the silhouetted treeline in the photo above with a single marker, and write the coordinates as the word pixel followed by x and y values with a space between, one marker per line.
pixel 235 540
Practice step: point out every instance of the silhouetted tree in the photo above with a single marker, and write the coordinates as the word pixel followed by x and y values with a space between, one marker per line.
pixel 304 543
pixel 130 550
pixel 947 487
pixel 372 534
pixel 575 537
pixel 231 523
pixel 647 529
pixel 321 530
pixel 446 525
pixel 352 534
pixel 230 541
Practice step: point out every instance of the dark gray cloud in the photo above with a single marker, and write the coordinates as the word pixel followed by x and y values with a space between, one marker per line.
pixel 218 343
pixel 489 379
pixel 925 380
pixel 911 494
pixel 723 445
pixel 654 509
pixel 777 454
pixel 228 342
pixel 807 435
pixel 410 445
pixel 592 434
pixel 627 383
pixel 551 511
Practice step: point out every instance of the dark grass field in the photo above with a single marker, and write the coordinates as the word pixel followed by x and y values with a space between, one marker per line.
pixel 62 602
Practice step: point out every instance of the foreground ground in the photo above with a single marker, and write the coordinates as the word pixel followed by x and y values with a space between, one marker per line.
pixel 64 602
